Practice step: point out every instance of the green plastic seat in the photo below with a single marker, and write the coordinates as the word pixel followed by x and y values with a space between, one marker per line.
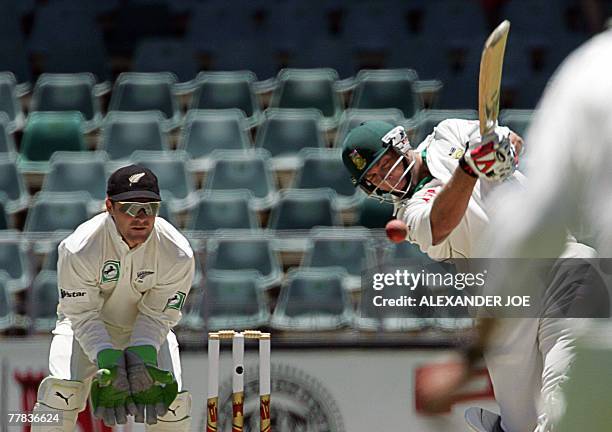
pixel 284 132
pixel 223 210
pixel 208 130
pixel 222 90
pixel 312 300
pixel 244 170
pixel 44 299
pixel 4 217
pixel 9 103
pixel 299 210
pixel 387 88
pixel 234 299
pixel 126 132
pixel 55 211
pixel 7 142
pixel 372 213
pixel 48 132
pixel 147 91
pixel 429 119
pixel 14 261
pixel 13 184
pixel 76 171
pixel 323 168
pixel 7 312
pixel 353 117
pixel 68 92
pixel 244 250
pixel 309 88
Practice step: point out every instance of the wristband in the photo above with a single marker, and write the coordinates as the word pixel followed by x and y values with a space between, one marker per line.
pixel 466 168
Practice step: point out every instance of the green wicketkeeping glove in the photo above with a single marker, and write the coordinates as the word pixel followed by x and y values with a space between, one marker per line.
pixel 152 389
pixel 110 388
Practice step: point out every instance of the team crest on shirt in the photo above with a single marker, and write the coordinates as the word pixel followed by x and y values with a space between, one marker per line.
pixel 110 271
pixel 141 275
pixel 176 301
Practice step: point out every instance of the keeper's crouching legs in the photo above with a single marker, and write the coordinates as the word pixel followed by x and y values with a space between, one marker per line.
pixel 178 417
pixel 67 398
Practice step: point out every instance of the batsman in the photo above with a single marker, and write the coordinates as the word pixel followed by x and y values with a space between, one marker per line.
pixel 123 277
pixel 441 191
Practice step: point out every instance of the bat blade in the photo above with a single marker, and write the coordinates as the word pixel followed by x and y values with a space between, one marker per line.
pixel 489 82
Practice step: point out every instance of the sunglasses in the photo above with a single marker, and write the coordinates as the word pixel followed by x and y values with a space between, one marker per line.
pixel 133 208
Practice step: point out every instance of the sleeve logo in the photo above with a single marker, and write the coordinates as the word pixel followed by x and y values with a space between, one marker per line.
pixel 110 271
pixel 176 301
pixel 75 296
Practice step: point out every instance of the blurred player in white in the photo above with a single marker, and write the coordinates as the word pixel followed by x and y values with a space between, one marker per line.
pixel 441 191
pixel 123 278
pixel 570 187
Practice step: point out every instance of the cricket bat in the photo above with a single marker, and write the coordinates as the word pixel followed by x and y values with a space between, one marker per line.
pixel 489 82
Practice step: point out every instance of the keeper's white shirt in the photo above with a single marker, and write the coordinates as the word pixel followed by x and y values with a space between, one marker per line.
pixel 109 292
pixel 444 148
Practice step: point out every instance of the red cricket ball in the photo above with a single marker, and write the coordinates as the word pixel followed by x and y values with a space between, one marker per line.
pixel 396 230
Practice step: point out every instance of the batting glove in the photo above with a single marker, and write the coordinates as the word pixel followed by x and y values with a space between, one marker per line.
pixel 152 389
pixel 110 388
pixel 492 159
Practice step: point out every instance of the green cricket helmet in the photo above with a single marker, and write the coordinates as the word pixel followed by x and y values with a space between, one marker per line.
pixel 365 145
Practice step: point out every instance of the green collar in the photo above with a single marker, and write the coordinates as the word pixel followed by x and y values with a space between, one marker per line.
pixel 420 185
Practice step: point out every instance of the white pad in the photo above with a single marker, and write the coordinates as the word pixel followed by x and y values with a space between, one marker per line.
pixel 66 396
pixel 178 417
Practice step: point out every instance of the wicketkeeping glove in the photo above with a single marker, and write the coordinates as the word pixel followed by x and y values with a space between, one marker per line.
pixel 110 388
pixel 492 159
pixel 152 389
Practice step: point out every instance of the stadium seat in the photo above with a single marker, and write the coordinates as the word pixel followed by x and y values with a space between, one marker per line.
pixel 309 88
pixel 323 168
pixel 243 170
pixel 300 210
pixel 68 92
pixel 165 213
pixel 223 210
pixel 244 250
pixel 7 142
pixel 208 130
pixel 351 248
pixel 9 104
pixel 14 261
pixel 517 120
pixel 402 252
pixel 352 118
pixel 312 300
pixel 77 171
pixel 256 56
pixel 48 132
pixel 49 262
pixel 220 90
pixel 12 184
pixel 429 119
pixel 233 299
pixel 56 212
pixel 372 213
pixel 125 132
pixel 176 182
pixel 284 132
pixel 387 88
pixel 167 55
pixel 44 298
pixel 7 313
pixel 153 91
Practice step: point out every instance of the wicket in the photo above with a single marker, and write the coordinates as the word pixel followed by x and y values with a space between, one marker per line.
pixel 238 378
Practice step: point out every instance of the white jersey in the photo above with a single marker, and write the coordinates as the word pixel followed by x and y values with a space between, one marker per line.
pixel 109 292
pixel 444 147
pixel 569 164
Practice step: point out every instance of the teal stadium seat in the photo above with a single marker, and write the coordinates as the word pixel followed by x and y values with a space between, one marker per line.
pixel 429 119
pixel 68 92
pixel 299 210
pixel 221 90
pixel 77 171
pixel 140 91
pixel 56 212
pixel 353 117
pixel 223 210
pixel 126 132
pixel 372 213
pixel 312 300
pixel 244 170
pixel 13 184
pixel 517 120
pixel 7 312
pixel 9 103
pixel 309 88
pixel 14 261
pixel 7 142
pixel 44 298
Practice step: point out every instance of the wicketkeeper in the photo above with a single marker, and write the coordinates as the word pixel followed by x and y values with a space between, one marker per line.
pixel 123 278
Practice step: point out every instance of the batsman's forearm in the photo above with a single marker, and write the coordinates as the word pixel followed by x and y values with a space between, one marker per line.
pixel 450 204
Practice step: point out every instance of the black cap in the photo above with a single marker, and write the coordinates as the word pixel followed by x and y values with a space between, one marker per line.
pixel 132 182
